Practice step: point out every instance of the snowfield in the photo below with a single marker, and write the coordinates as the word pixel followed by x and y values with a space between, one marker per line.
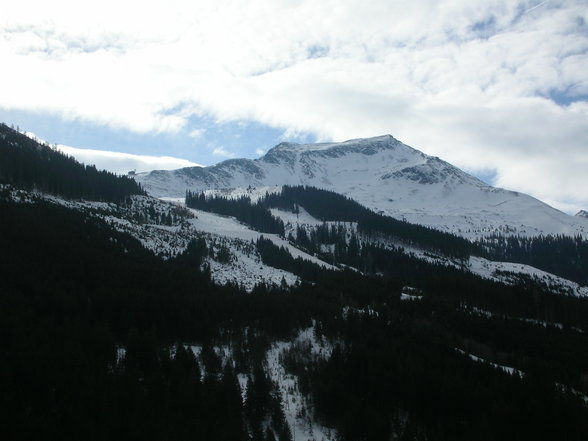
pixel 230 227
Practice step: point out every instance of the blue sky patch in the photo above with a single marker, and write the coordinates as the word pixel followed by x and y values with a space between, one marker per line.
pixel 202 140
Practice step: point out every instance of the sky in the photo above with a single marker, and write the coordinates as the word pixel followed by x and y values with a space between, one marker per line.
pixel 498 88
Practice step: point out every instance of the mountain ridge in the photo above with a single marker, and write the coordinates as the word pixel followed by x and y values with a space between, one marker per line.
pixel 386 176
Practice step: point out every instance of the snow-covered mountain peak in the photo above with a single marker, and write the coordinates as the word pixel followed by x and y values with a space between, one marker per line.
pixel 289 152
pixel 384 141
pixel 387 176
pixel 582 213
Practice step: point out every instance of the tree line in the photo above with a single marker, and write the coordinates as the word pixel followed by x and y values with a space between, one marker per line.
pixel 565 256
pixel 329 206
pixel 253 214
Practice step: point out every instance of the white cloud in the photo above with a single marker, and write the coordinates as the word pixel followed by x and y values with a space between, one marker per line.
pixel 197 133
pixel 122 163
pixel 222 152
pixel 259 152
pixel 455 78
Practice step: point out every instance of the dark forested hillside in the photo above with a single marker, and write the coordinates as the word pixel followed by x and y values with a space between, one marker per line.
pixel 562 255
pixel 28 164
pixel 74 293
pixel 102 339
pixel 96 334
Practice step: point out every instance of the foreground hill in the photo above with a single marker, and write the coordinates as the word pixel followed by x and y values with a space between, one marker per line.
pixel 104 340
pixel 29 164
pixel 386 176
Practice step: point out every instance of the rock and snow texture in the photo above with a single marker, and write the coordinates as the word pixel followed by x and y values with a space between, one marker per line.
pixel 245 268
pixel 582 213
pixel 387 176
pixel 297 407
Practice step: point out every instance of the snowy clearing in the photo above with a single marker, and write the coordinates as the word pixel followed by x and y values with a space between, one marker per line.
pixel 297 407
pixel 230 227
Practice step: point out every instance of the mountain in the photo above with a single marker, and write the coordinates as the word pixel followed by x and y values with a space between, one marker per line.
pixel 386 176
pixel 582 213
pixel 284 313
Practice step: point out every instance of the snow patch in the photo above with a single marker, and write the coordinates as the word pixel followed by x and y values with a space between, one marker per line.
pixel 506 272
pixel 230 227
pixel 245 268
pixel 509 370
pixel 297 407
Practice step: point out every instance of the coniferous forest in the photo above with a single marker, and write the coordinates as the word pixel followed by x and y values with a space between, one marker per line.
pixel 329 206
pixel 27 164
pixel 102 339
pixel 562 255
